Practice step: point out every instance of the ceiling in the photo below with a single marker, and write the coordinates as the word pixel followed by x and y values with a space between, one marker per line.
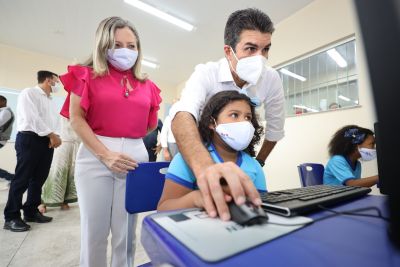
pixel 65 29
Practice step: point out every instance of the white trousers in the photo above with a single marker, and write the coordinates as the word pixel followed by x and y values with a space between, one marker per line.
pixel 101 198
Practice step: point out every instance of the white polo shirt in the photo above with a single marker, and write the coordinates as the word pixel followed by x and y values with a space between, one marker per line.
pixel 36 112
pixel 213 77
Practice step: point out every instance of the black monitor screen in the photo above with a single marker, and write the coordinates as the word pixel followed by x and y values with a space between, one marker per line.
pixel 380 28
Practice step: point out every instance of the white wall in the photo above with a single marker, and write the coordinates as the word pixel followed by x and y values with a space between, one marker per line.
pixel 317 25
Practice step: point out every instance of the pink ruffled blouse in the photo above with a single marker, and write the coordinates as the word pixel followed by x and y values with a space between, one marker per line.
pixel 108 111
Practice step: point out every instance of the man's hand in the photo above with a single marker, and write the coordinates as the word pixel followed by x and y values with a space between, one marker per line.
pixel 214 195
pixel 55 140
pixel 167 155
pixel 157 149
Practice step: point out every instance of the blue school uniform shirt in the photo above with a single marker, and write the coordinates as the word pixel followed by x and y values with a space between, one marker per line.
pixel 179 172
pixel 340 169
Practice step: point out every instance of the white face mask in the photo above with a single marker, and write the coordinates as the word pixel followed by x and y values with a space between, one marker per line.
pixel 249 69
pixel 237 135
pixel 367 154
pixel 56 87
pixel 122 58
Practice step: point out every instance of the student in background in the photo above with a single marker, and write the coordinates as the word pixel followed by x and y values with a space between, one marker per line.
pixel 247 41
pixel 348 145
pixel 6 123
pixel 150 141
pixel 111 106
pixel 229 130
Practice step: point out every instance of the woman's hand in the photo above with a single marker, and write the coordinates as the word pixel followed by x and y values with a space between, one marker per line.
pixel 118 162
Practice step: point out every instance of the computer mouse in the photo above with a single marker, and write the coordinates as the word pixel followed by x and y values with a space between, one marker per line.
pixel 247 214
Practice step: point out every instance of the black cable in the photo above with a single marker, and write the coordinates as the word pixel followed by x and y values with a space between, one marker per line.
pixel 353 212
pixel 337 213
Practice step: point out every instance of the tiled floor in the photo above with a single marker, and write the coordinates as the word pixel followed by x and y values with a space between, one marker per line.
pixel 51 244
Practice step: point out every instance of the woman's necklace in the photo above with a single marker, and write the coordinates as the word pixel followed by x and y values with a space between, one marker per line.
pixel 126 85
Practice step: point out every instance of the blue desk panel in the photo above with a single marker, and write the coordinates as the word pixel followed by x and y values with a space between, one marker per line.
pixel 338 241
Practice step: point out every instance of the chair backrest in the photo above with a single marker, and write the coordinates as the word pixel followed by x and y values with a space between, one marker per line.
pixel 311 173
pixel 144 186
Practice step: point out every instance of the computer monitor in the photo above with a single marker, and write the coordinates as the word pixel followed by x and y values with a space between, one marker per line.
pixel 383 183
pixel 379 22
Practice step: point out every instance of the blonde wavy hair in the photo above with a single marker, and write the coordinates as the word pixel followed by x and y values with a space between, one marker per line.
pixel 105 40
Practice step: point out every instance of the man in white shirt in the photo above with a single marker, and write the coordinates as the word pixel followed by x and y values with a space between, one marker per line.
pixel 36 139
pixel 167 140
pixel 6 123
pixel 247 42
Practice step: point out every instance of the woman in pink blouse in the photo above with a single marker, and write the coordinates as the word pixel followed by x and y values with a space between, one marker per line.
pixel 112 106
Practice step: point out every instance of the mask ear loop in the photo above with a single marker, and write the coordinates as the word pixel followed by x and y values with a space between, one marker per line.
pixel 230 63
pixel 215 122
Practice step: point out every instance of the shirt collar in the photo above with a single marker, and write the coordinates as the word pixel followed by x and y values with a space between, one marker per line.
pixel 239 159
pixel 224 71
pixel 225 74
pixel 42 91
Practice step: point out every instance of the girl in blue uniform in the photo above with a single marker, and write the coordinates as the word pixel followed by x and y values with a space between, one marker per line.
pixel 347 146
pixel 229 129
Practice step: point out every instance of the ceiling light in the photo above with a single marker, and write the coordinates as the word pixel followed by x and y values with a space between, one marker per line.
pixel 294 75
pixel 334 54
pixel 344 98
pixel 149 64
pixel 160 14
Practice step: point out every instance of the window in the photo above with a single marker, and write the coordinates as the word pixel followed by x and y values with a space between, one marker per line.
pixel 323 81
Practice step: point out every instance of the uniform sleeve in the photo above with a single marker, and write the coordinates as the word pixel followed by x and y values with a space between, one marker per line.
pixel 76 81
pixel 180 173
pixel 259 182
pixel 340 169
pixel 154 106
pixel 275 110
pixel 194 94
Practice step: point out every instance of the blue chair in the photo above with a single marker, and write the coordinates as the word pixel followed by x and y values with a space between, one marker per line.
pixel 311 174
pixel 144 187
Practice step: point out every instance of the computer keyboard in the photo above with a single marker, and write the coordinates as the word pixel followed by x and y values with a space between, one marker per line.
pixel 291 202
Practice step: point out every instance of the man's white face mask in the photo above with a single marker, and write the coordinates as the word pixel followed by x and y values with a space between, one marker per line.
pixel 56 87
pixel 249 69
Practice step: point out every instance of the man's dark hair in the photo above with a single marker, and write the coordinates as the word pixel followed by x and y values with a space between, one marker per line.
pixel 3 99
pixel 42 75
pixel 345 140
pixel 214 107
pixel 246 19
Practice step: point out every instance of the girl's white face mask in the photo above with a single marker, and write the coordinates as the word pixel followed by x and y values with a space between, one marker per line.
pixel 237 135
pixel 367 154
pixel 122 58
pixel 249 69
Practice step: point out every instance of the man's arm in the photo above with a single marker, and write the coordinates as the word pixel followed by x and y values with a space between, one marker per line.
pixel 265 150
pixel 5 116
pixel 189 142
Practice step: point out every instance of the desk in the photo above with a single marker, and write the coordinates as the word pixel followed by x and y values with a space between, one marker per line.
pixel 338 241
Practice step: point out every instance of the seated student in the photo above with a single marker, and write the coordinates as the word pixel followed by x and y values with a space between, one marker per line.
pixel 229 129
pixel 347 146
